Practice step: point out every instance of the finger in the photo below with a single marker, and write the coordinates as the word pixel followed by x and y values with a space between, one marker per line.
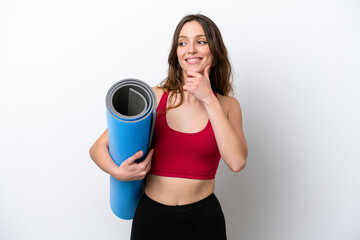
pixel 148 167
pixel 149 156
pixel 142 167
pixel 193 74
pixel 191 84
pixel 187 82
pixel 207 72
pixel 137 155
pixel 187 87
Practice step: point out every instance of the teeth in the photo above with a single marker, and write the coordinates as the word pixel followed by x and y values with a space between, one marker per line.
pixel 193 59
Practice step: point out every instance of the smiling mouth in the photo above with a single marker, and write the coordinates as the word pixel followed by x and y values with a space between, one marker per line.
pixel 193 60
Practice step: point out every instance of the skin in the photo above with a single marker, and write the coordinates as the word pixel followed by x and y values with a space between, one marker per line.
pixel 224 113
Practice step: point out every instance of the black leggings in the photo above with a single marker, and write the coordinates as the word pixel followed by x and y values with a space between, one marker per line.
pixel 200 220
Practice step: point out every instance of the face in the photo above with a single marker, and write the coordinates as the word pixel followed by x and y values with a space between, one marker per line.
pixel 193 51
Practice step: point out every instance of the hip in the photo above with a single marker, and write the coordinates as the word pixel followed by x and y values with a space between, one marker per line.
pixel 203 219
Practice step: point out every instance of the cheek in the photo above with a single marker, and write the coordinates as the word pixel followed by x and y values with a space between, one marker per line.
pixel 210 59
pixel 179 53
pixel 179 60
pixel 209 55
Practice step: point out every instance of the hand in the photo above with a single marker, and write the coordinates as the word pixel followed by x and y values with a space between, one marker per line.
pixel 199 85
pixel 129 170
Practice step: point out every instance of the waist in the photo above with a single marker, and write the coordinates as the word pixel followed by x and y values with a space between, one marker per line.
pixel 177 191
pixel 178 208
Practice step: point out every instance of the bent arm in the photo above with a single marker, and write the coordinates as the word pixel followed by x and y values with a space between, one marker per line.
pixel 228 132
pixel 99 153
pixel 129 170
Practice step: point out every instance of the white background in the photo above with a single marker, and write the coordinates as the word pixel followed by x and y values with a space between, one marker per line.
pixel 296 76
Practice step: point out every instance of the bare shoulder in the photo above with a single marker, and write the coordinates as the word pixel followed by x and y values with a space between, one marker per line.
pixel 229 104
pixel 158 92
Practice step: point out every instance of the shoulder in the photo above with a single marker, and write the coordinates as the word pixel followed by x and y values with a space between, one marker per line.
pixel 158 92
pixel 229 104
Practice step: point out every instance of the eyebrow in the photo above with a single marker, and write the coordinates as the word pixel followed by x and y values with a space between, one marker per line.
pixel 201 35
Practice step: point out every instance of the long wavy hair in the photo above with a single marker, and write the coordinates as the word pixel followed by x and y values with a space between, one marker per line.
pixel 220 73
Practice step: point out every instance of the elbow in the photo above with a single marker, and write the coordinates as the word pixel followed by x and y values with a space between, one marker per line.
pixel 239 164
pixel 92 152
pixel 238 167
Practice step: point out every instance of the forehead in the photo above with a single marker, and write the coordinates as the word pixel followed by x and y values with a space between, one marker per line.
pixel 191 29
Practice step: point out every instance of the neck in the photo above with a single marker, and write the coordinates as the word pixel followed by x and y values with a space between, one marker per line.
pixel 189 98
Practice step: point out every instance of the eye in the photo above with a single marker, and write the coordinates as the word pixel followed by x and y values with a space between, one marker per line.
pixel 182 44
pixel 202 42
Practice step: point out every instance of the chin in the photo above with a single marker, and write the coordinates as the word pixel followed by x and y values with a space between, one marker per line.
pixel 196 69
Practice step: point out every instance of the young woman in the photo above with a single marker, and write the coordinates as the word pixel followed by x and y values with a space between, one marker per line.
pixel 197 123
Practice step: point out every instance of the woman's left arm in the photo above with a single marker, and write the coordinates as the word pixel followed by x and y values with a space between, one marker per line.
pixel 227 126
pixel 228 132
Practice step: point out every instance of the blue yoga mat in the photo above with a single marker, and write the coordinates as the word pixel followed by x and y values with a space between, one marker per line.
pixel 131 112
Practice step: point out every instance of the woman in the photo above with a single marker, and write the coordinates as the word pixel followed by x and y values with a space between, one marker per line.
pixel 196 124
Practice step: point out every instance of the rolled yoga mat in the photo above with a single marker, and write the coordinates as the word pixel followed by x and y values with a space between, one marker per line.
pixel 131 112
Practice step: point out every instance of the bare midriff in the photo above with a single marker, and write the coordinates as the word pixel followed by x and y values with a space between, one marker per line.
pixel 177 191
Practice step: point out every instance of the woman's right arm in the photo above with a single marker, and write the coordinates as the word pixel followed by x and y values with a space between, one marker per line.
pixel 129 170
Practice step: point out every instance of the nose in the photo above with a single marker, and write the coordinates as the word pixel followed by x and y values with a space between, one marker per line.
pixel 192 48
